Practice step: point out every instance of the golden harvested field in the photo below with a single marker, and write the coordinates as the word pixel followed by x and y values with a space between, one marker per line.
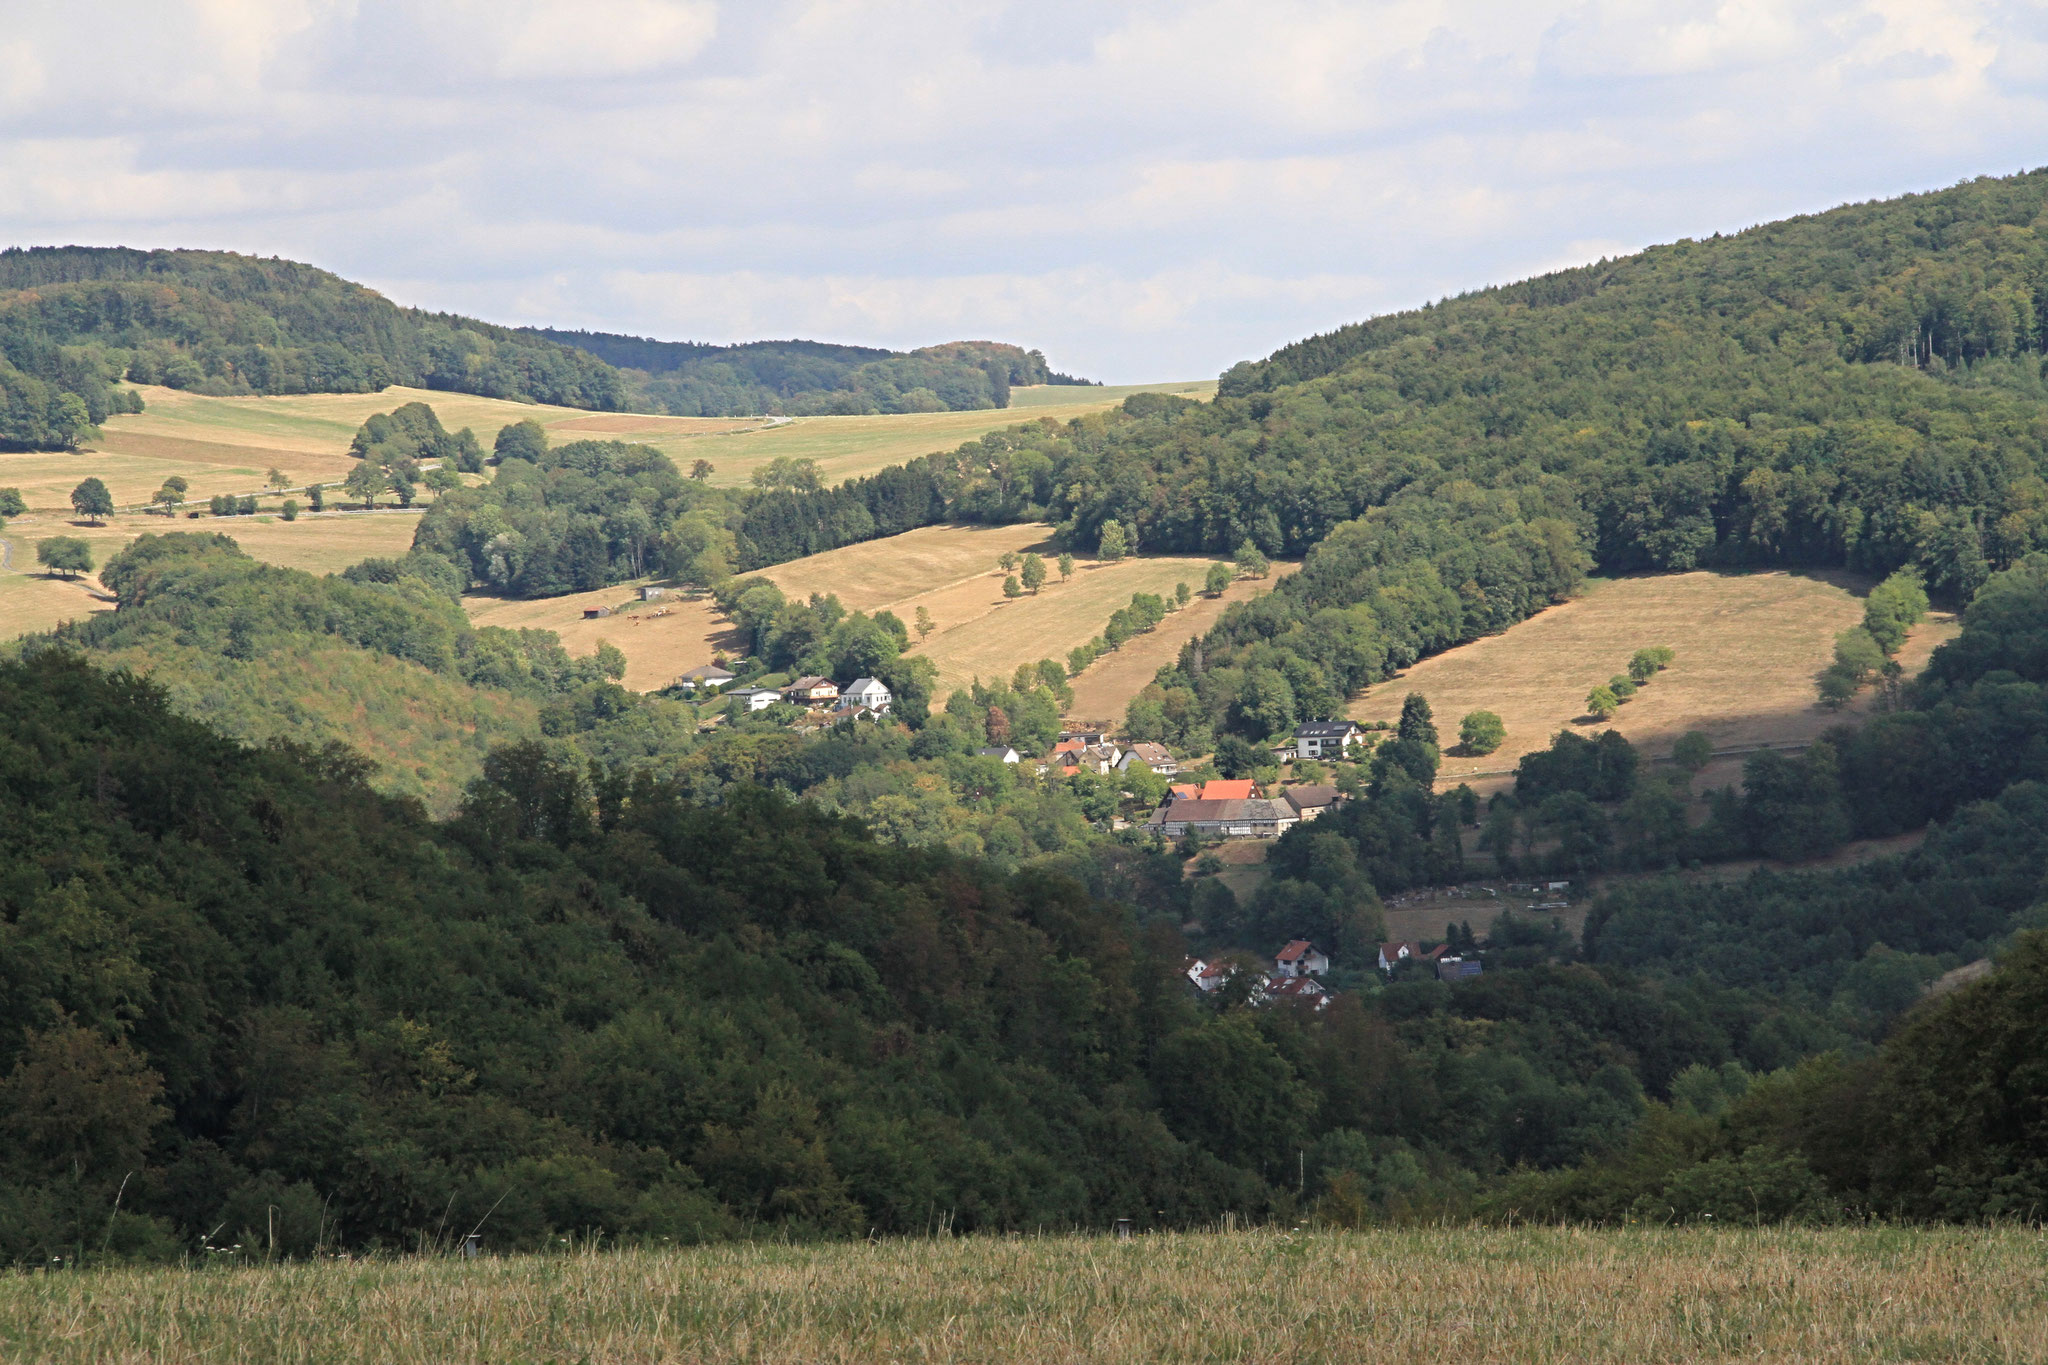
pixel 1446 1296
pixel 659 639
pixel 882 573
pixel 1748 649
pixel 982 633
pixel 1103 692
pixel 32 601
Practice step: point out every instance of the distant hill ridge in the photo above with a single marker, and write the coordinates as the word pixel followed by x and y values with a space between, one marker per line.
pixel 77 321
pixel 696 379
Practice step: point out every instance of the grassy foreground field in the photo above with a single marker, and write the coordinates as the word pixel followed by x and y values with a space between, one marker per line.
pixel 1540 1296
pixel 1749 647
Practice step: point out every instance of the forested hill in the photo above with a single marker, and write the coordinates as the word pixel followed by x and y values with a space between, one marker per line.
pixel 75 320
pixel 810 377
pixel 1858 388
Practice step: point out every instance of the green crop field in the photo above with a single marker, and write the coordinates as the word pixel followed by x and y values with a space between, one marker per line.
pixel 1540 1296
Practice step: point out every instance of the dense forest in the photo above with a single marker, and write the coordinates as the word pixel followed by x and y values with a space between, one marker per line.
pixel 74 321
pixel 265 1005
pixel 806 378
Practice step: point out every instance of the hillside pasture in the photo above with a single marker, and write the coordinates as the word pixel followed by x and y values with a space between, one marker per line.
pixel 884 573
pixel 849 447
pixel 983 634
pixel 1749 647
pixel 32 601
pixel 1103 692
pixel 1450 1295
pixel 660 639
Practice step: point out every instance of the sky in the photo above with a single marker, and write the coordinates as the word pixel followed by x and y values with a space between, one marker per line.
pixel 1143 191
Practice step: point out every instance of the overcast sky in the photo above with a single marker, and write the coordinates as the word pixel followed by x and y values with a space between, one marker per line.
pixel 1144 191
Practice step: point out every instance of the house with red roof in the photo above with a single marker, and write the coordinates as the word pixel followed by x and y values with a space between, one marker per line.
pixel 1301 958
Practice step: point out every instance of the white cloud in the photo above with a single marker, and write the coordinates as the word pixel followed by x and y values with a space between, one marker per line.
pixel 1149 189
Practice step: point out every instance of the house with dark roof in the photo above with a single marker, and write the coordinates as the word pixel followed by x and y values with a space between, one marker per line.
pixel 1327 738
pixel 1002 751
pixel 1310 799
pixel 704 678
pixel 811 691
pixel 756 698
pixel 1246 818
pixel 1153 756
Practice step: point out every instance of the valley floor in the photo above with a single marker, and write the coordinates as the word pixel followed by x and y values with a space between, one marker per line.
pixel 1436 1294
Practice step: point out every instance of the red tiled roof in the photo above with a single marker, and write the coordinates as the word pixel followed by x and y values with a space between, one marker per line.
pixel 1227 789
pixel 1298 948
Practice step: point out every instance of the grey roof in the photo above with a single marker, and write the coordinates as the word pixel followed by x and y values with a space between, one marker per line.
pixel 861 684
pixel 1317 729
pixel 702 671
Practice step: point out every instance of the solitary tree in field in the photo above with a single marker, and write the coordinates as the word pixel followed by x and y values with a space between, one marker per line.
pixel 92 500
pixel 1418 724
pixel 316 496
pixel 65 555
pixel 11 504
pixel 925 624
pixel 280 480
pixel 365 481
pixel 1008 559
pixel 1481 732
pixel 1182 594
pixel 1066 567
pixel 701 470
pixel 1251 561
pixel 1113 546
pixel 1032 573
pixel 290 510
pixel 1692 751
pixel 1601 703
pixel 1012 588
pixel 1218 581
pixel 166 498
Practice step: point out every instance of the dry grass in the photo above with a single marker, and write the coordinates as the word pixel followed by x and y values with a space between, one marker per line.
pixel 1103 692
pixel 983 634
pixel 31 601
pixel 1440 1295
pixel 1748 649
pixel 883 573
pixel 659 639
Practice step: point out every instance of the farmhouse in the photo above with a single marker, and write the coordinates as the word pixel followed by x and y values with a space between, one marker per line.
pixel 1238 818
pixel 1153 756
pixel 705 678
pixel 1301 958
pixel 756 698
pixel 868 692
pixel 811 691
pixel 1305 988
pixel 1326 738
pixel 1309 801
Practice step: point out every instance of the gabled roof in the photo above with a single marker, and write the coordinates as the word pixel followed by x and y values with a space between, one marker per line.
pixel 704 673
pixel 993 751
pixel 866 684
pixel 1299 985
pixel 1203 811
pixel 1324 729
pixel 1392 951
pixel 1184 791
pixel 1149 752
pixel 1295 951
pixel 1228 789
pixel 1310 795
pixel 1069 746
pixel 806 684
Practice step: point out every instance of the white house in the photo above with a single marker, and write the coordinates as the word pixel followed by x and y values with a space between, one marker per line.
pixel 757 698
pixel 1327 738
pixel 811 691
pixel 867 692
pixel 1301 958
pixel 1300 988
pixel 705 678
pixel 1002 751
pixel 1153 756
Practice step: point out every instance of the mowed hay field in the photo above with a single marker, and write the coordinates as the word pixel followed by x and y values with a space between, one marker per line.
pixel 31 601
pixel 950 571
pixel 849 447
pixel 660 639
pixel 1748 649
pixel 1448 1296
pixel 1103 692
